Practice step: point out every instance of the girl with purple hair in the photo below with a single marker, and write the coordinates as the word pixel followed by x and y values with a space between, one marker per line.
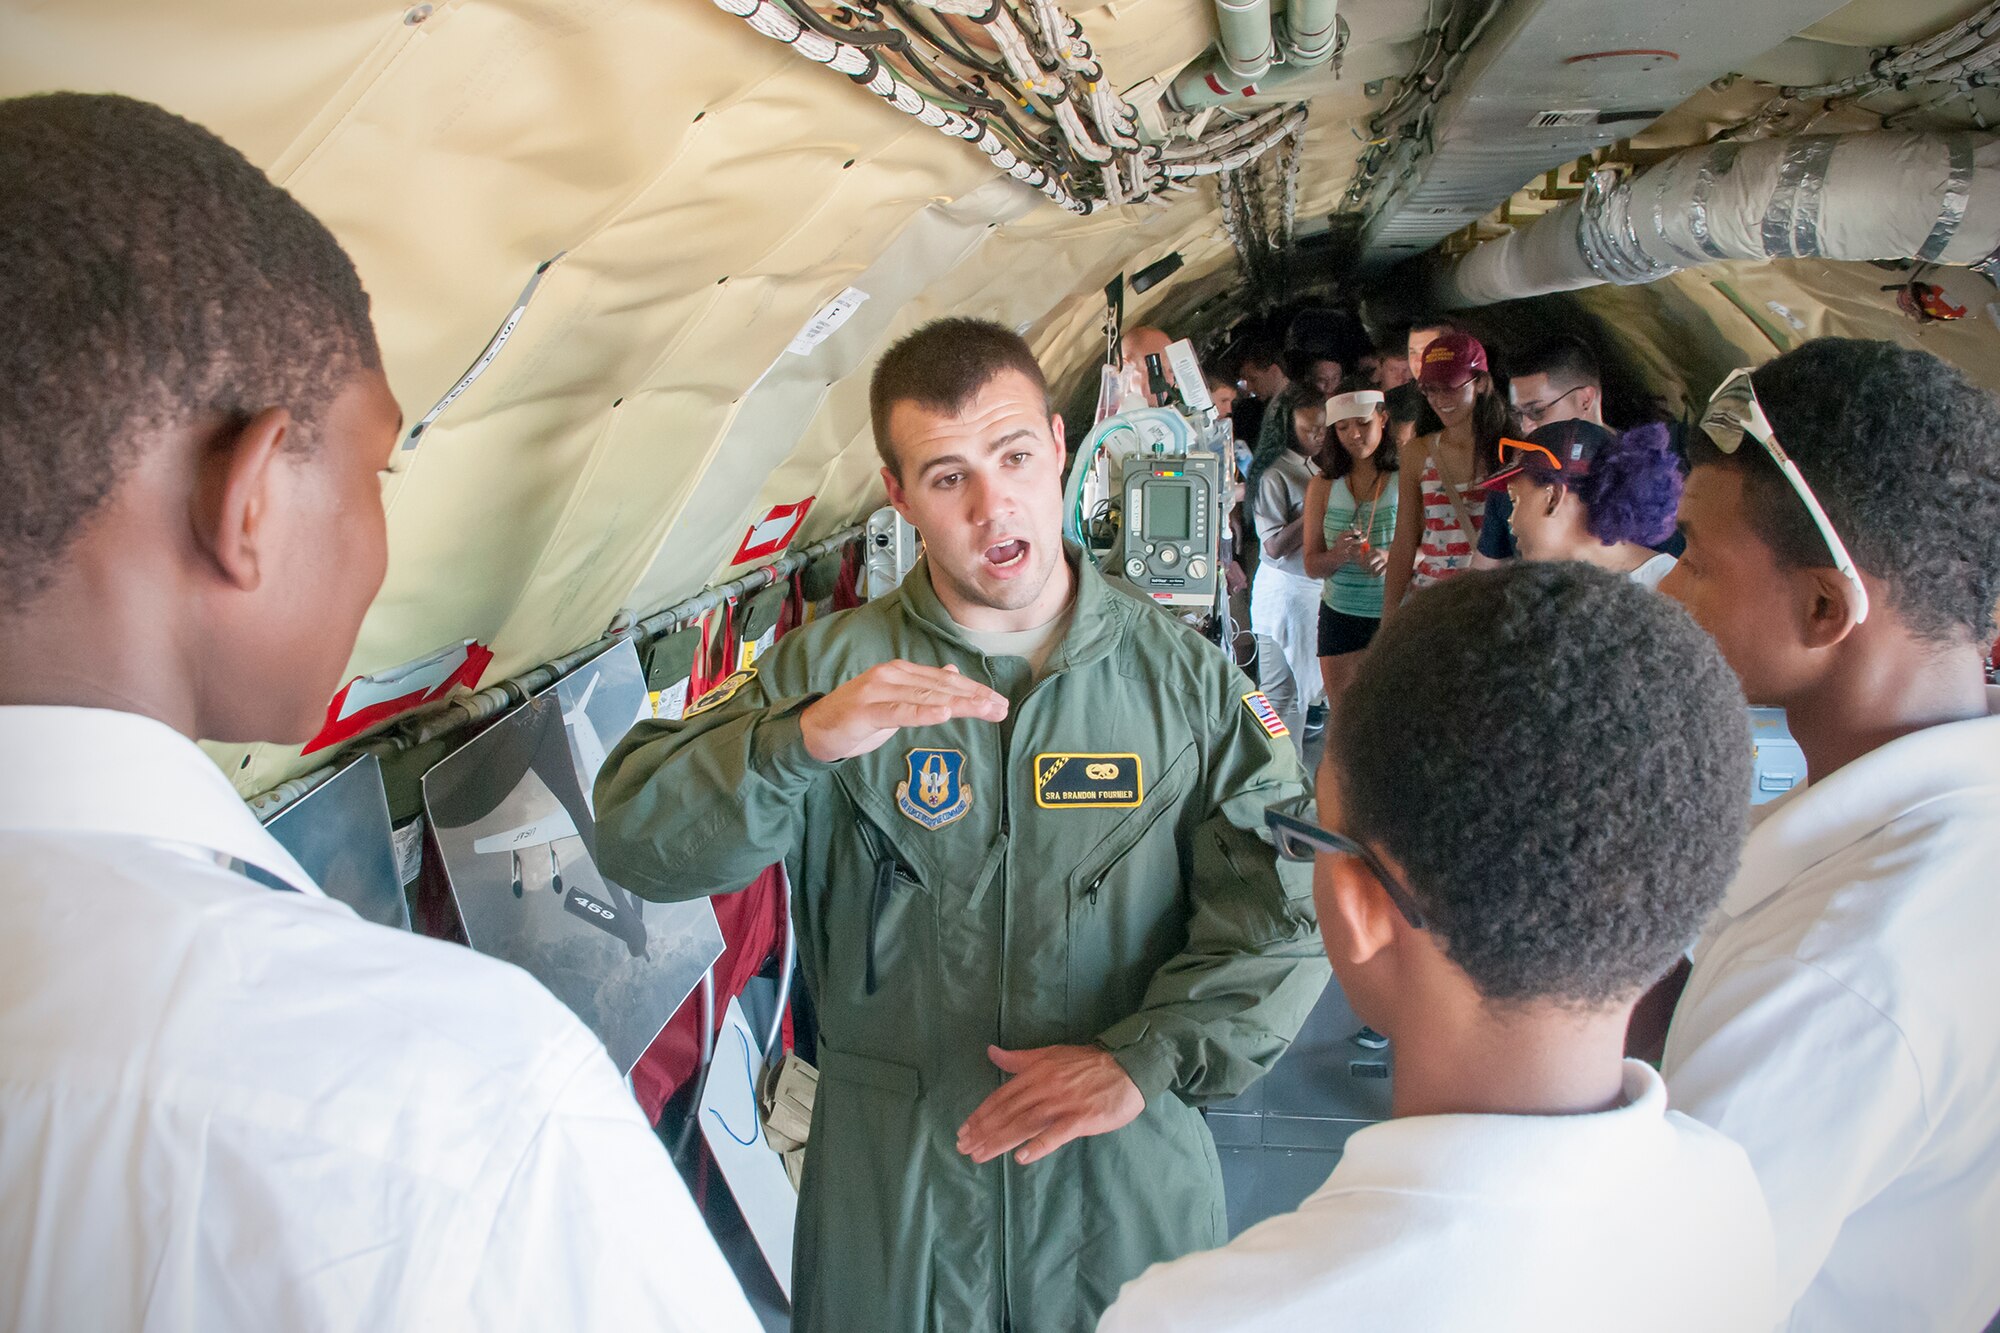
pixel 1582 492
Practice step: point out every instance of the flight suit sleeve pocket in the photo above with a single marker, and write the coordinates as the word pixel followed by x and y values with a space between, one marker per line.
pixel 868 1072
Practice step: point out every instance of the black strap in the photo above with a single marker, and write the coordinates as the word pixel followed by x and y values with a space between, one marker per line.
pixel 256 874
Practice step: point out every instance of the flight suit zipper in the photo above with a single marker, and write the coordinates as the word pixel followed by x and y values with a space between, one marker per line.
pixel 1006 736
pixel 1008 728
pixel 1000 1019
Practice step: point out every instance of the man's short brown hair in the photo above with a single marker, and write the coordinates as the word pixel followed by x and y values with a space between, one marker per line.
pixel 940 368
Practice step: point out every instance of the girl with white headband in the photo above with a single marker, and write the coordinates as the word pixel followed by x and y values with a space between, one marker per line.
pixel 1350 524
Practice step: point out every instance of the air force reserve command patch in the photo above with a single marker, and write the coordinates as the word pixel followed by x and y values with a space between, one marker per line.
pixel 935 793
pixel 725 690
pixel 1083 781
pixel 1267 716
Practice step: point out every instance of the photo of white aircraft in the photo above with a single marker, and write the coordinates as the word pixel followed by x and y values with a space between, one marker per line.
pixel 551 823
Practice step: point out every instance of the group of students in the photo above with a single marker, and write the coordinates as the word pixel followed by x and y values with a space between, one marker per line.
pixel 223 1106
pixel 1522 785
pixel 1344 532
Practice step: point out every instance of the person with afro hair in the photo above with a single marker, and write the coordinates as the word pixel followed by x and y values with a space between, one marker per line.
pixel 226 1101
pixel 1533 795
pixel 1579 491
pixel 1842 1019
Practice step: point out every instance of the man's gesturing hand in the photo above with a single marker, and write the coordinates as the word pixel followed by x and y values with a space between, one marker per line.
pixel 866 711
pixel 1058 1093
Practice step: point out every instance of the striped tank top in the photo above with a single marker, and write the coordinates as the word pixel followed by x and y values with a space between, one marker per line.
pixel 1446 548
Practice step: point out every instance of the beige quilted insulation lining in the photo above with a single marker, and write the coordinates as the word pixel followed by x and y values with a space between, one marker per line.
pixel 708 191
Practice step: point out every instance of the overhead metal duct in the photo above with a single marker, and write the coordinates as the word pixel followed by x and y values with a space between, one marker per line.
pixel 1257 55
pixel 1544 83
pixel 1244 41
pixel 1930 197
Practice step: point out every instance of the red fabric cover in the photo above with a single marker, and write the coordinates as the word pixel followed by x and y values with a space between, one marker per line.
pixel 753 928
pixel 716 658
pixel 847 587
pixel 752 918
pixel 793 611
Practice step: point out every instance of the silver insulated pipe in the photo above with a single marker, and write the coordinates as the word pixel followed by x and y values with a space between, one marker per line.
pixel 1930 197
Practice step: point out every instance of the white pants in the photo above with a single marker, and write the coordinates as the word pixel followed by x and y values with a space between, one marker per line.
pixel 1284 613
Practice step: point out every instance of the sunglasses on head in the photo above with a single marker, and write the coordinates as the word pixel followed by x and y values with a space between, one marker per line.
pixel 1508 446
pixel 1299 840
pixel 1733 413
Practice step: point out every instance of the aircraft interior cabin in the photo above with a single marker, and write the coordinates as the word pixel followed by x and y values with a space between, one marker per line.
pixel 1007 666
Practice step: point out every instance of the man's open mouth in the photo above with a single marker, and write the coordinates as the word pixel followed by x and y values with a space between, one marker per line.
pixel 1008 554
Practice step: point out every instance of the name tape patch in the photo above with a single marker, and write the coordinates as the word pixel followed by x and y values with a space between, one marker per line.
pixel 1267 716
pixel 1088 781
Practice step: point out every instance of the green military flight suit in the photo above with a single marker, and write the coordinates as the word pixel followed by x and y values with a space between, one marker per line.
pixel 1089 870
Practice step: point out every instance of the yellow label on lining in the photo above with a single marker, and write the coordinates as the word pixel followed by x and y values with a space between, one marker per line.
pixel 1088 781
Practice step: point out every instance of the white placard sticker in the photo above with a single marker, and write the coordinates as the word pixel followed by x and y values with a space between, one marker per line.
pixel 1187 375
pixel 829 319
pixel 410 850
pixel 672 702
pixel 486 355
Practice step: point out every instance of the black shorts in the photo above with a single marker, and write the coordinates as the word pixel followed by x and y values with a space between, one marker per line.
pixel 1341 634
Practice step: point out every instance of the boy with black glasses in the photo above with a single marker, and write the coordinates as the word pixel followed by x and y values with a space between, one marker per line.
pixel 1533 795
pixel 1843 525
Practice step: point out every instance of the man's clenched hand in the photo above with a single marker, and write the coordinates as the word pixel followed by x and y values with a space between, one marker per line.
pixel 1058 1093
pixel 862 714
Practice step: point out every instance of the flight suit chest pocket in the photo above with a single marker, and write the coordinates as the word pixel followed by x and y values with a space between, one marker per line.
pixel 893 919
pixel 1162 799
pixel 1126 904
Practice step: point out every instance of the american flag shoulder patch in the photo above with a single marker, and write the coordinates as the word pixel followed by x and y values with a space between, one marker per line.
pixel 1267 716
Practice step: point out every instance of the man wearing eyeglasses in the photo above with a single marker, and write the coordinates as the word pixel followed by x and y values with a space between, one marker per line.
pixel 1557 381
pixel 1530 1179
pixel 1843 525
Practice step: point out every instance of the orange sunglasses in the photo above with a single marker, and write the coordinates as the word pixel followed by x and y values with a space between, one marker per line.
pixel 1523 447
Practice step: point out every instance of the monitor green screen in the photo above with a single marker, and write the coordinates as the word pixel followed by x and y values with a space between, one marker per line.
pixel 1169 510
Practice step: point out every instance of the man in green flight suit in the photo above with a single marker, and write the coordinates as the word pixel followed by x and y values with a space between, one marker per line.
pixel 1022 812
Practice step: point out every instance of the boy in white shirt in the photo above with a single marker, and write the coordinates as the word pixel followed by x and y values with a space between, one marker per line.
pixel 1534 794
pixel 1842 1019
pixel 225 1106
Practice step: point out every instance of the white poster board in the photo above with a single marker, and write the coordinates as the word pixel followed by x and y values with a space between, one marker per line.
pixel 512 814
pixel 733 1123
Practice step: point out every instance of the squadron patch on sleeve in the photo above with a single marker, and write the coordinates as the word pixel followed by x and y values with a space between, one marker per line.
pixel 725 689
pixel 936 792
pixel 1267 716
pixel 1085 781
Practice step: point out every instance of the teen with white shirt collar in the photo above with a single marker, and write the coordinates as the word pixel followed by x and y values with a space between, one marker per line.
pixel 225 1106
pixel 1842 1019
pixel 1495 898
